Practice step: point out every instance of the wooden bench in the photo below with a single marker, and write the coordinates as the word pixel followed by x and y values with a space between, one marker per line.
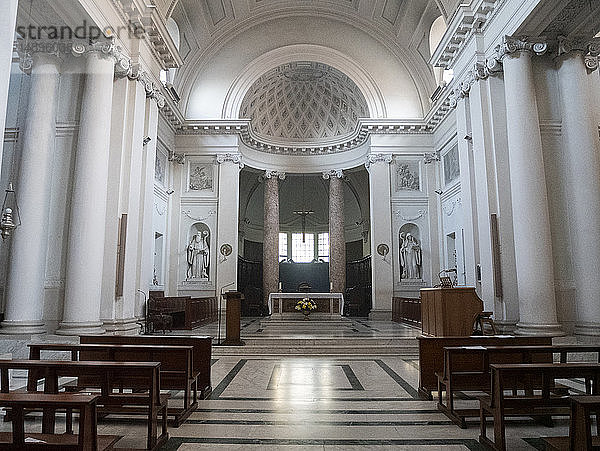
pixel 87 439
pixel 143 378
pixel 580 428
pixel 201 362
pixel 466 368
pixel 520 376
pixel 431 354
pixel 175 366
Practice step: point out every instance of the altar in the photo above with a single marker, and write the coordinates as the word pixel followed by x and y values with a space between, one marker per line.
pixel 329 305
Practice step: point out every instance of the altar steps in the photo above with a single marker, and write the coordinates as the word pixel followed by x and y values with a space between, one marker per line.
pixel 324 337
pixel 321 346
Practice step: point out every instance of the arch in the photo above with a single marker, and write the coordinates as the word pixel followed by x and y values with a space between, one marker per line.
pixel 303 52
pixel 173 30
pixel 436 33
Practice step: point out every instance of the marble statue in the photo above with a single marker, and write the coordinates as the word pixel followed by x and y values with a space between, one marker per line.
pixel 198 256
pixel 410 257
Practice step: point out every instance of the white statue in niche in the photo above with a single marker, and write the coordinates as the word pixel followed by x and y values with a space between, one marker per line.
pixel 410 257
pixel 198 256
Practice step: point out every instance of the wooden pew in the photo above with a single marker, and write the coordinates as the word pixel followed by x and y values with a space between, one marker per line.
pixel 87 439
pixel 522 376
pixel 466 368
pixel 175 366
pixel 580 427
pixel 201 356
pixel 142 377
pixel 431 353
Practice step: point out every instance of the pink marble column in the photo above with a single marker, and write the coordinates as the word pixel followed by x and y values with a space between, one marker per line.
pixel 271 234
pixel 337 241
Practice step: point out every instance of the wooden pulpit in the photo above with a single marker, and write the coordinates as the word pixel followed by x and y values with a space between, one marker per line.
pixel 233 318
pixel 449 312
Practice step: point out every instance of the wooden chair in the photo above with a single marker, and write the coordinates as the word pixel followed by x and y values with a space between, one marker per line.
pixel 480 321
pixel 157 318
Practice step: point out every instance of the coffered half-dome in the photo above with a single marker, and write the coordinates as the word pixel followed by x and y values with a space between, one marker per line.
pixel 304 103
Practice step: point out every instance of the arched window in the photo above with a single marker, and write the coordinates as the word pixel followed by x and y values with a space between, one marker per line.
pixel 436 33
pixel 173 29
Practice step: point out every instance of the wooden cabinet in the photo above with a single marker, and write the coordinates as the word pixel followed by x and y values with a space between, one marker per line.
pixel 449 312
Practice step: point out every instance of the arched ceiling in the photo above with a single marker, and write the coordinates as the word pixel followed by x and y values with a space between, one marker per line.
pixel 388 38
pixel 304 102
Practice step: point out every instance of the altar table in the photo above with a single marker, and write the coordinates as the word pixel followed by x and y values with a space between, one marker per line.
pixel 334 307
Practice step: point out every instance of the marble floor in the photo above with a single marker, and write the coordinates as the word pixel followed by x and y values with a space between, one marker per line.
pixel 347 401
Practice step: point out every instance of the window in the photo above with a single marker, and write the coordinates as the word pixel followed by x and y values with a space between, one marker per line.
pixel 303 252
pixel 323 243
pixel 283 247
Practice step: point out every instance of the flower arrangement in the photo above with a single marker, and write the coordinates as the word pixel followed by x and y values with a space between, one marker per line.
pixel 305 305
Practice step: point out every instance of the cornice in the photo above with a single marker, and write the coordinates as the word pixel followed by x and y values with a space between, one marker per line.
pixel 138 13
pixel 467 20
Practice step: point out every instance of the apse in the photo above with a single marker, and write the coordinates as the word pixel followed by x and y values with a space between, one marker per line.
pixel 303 103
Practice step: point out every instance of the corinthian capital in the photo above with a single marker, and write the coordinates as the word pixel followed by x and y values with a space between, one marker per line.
pixel 105 49
pixel 271 174
pixel 512 44
pixel 152 89
pixel 234 158
pixel 589 47
pixel 378 158
pixel 333 173
pixel 27 50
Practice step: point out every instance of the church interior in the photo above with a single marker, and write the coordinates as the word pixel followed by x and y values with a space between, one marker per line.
pixel 300 224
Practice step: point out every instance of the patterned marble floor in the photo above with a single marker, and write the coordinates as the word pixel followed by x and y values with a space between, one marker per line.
pixel 311 402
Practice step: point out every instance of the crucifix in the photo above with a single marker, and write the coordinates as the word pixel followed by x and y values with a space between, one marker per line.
pixel 303 213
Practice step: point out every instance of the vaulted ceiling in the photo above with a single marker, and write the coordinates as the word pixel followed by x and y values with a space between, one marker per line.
pixel 389 39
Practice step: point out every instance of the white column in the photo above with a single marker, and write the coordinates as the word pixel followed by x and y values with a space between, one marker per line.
pixel 227 220
pixel 382 274
pixel 8 20
pixel 533 242
pixel 25 294
pixel 582 148
pixel 88 202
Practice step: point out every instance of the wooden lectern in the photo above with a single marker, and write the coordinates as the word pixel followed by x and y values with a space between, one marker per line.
pixel 233 318
pixel 449 312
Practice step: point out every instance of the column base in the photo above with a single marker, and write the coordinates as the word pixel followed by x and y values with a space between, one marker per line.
pixel 10 327
pixel 587 329
pixel 505 327
pixel 380 315
pixel 545 330
pixel 127 326
pixel 80 328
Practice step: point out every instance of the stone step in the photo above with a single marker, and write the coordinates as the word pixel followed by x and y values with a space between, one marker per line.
pixel 308 350
pixel 322 346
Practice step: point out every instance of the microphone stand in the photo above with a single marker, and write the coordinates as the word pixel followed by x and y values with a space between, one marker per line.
pixel 220 298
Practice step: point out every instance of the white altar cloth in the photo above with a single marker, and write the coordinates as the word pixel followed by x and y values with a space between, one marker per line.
pixel 276 305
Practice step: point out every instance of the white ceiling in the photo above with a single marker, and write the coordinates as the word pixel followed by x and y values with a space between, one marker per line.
pixel 388 39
